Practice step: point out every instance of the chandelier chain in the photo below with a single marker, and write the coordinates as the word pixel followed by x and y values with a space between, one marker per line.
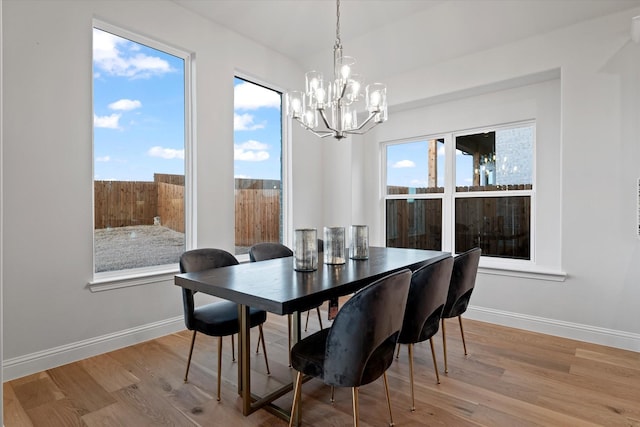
pixel 338 41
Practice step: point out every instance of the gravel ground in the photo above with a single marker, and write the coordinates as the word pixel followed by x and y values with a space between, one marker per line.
pixel 137 246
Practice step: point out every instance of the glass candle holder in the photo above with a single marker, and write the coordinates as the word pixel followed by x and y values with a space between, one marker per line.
pixel 359 247
pixel 305 254
pixel 334 245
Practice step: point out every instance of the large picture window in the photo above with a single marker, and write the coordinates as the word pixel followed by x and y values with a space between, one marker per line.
pixel 257 126
pixel 486 202
pixel 139 104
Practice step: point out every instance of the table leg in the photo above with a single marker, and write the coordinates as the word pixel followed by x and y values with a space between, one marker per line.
pixel 296 332
pixel 244 367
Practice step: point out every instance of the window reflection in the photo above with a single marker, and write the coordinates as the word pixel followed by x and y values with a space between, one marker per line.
pixel 495 161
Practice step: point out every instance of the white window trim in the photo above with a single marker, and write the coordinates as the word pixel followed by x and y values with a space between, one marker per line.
pixel 286 166
pixel 488 265
pixel 161 273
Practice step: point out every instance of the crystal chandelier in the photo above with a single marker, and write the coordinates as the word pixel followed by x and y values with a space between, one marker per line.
pixel 331 108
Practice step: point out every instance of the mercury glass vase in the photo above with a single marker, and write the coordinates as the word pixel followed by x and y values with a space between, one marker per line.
pixel 334 245
pixel 305 254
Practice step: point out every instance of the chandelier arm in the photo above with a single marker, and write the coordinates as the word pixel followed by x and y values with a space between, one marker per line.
pixel 321 134
pixel 326 121
pixel 367 120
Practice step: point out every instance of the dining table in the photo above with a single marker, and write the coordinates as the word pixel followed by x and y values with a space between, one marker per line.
pixel 275 286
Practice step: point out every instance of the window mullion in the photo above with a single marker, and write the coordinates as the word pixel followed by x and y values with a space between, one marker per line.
pixel 448 208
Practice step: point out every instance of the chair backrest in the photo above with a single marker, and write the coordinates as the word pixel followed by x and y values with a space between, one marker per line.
pixel 427 297
pixel 198 260
pixel 265 251
pixel 463 280
pixel 361 341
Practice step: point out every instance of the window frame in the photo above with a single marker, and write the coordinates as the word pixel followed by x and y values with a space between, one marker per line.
pixel 160 273
pixel 286 207
pixel 495 265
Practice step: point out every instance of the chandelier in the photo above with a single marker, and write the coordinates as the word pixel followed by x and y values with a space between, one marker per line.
pixel 331 108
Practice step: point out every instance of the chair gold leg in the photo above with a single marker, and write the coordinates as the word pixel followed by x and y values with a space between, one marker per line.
pixel 264 349
pixel 219 364
pixel 386 389
pixel 319 316
pixel 433 356
pixel 333 395
pixel 398 351
pixel 354 393
pixel 233 349
pixel 413 401
pixel 289 336
pixel 297 391
pixel 444 347
pixel 464 344
pixel 306 324
pixel 193 340
pixel 258 344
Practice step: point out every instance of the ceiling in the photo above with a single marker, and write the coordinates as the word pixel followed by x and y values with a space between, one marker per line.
pixel 298 28
pixel 375 31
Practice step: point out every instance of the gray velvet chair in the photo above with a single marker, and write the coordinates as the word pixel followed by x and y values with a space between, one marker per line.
pixel 463 281
pixel 216 319
pixel 266 251
pixel 358 348
pixel 427 297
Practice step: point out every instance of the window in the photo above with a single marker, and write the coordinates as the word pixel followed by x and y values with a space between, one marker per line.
pixel 415 188
pixel 487 200
pixel 257 125
pixel 139 104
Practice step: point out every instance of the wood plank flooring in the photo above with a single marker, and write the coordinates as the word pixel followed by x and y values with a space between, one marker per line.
pixel 510 378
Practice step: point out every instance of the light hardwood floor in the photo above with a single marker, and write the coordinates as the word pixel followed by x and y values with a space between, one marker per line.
pixel 510 378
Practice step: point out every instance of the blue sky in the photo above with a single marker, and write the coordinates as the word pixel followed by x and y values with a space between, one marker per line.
pixel 257 131
pixel 139 116
pixel 138 101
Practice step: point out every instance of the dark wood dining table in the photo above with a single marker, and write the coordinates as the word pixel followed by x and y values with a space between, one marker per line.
pixel 276 287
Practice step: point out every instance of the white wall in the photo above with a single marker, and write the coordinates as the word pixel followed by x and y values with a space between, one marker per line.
pixel 598 151
pixel 1 204
pixel 50 315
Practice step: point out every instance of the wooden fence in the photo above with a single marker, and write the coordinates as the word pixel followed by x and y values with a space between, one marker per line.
pixel 257 216
pixel 124 203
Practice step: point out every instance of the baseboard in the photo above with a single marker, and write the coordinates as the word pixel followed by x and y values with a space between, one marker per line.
pixel 576 331
pixel 36 362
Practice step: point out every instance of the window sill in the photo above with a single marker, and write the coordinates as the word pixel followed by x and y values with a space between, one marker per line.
pixel 133 277
pixel 520 270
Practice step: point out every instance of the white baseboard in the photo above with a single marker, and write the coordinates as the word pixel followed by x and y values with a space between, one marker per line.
pixel 39 361
pixel 575 331
pixel 36 362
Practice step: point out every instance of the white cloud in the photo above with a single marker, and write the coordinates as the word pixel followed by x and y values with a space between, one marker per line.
pixel 404 164
pixel 251 151
pixel 108 122
pixel 250 156
pixel 125 105
pixel 103 159
pixel 165 153
pixel 251 145
pixel 245 122
pixel 240 176
pixel 109 57
pixel 248 96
